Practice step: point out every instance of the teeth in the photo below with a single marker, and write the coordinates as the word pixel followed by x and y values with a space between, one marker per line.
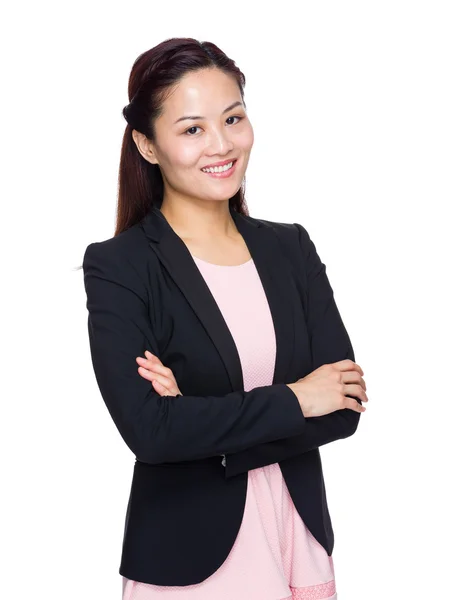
pixel 219 169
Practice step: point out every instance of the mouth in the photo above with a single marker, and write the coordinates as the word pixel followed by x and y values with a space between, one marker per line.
pixel 222 171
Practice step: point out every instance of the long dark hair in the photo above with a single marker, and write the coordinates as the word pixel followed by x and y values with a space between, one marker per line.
pixel 153 75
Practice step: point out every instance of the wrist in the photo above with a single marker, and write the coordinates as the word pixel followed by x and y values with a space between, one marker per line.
pixel 295 389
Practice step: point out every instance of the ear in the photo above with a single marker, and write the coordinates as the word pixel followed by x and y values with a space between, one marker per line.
pixel 145 146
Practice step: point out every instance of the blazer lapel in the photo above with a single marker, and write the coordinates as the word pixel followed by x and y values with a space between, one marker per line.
pixel 274 274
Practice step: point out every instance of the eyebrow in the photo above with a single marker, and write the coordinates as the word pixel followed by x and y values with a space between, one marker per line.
pixel 238 103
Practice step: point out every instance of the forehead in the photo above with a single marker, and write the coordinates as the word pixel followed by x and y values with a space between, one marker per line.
pixel 202 92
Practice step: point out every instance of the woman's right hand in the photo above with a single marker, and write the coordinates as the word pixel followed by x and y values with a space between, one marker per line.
pixel 324 390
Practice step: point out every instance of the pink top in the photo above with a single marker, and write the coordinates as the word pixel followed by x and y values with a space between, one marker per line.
pixel 275 557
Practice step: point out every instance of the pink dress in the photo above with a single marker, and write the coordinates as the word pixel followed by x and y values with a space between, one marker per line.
pixel 275 557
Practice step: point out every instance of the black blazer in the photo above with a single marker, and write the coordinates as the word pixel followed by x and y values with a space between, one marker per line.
pixel 193 452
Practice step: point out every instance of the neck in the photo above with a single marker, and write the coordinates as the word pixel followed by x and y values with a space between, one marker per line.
pixel 200 220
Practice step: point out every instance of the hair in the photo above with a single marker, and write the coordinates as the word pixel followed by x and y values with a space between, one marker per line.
pixel 153 77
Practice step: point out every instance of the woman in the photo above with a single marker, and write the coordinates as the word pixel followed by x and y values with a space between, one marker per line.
pixel 218 349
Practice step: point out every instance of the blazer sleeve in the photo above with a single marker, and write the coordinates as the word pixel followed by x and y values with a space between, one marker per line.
pixel 329 343
pixel 158 428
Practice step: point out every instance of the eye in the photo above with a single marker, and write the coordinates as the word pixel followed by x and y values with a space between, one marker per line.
pixel 196 127
pixel 235 117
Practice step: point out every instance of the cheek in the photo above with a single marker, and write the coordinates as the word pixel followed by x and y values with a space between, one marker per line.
pixel 182 160
pixel 185 156
pixel 246 138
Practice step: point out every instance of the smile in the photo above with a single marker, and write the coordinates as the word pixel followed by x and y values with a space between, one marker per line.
pixel 221 172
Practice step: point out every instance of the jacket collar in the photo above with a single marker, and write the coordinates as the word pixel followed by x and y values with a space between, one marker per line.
pixel 270 262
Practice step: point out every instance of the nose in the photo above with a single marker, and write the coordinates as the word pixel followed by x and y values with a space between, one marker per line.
pixel 220 142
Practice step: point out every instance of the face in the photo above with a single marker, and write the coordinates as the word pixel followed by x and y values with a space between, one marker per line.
pixel 220 130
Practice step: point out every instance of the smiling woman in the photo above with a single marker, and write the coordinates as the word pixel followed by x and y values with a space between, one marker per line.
pixel 221 135
pixel 193 357
pixel 179 124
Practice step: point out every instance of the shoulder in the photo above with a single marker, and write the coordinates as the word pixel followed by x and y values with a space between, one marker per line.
pixel 129 246
pixel 297 247
pixel 293 235
pixel 119 259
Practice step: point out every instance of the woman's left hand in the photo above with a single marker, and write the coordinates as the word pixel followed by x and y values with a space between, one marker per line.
pixel 161 377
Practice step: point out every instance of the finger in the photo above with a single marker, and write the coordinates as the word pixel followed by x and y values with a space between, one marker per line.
pixel 353 377
pixel 358 407
pixel 164 390
pixel 355 390
pixel 151 365
pixel 151 375
pixel 348 365
pixel 157 368
pixel 353 405
pixel 161 389
pixel 163 383
pixel 152 357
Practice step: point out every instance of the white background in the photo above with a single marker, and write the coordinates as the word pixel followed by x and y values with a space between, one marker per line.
pixel 364 127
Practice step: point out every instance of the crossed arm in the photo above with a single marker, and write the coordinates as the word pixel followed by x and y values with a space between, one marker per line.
pixel 324 323
pixel 162 428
